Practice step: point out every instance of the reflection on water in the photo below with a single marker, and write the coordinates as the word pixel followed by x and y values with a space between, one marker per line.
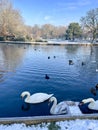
pixel 11 56
pixel 25 107
pixel 23 68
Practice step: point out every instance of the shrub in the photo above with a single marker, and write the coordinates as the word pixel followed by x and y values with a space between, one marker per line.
pixel 2 38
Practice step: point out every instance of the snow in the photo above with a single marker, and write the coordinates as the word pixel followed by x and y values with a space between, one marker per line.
pixel 74 109
pixel 77 124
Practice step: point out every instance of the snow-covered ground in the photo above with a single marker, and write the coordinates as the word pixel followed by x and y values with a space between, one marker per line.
pixel 62 125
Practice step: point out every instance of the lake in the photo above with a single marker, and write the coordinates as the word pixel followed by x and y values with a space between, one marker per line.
pixel 23 68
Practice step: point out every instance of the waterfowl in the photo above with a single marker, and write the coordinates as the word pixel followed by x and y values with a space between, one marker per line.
pixel 83 63
pixel 48 57
pixel 93 91
pixel 87 100
pixel 93 104
pixel 47 77
pixel 96 86
pixel 83 105
pixel 36 97
pixel 54 56
pixel 96 70
pixel 71 62
pixel 61 108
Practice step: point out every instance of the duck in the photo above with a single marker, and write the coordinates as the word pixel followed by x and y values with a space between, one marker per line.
pixel 71 62
pixel 48 57
pixel 54 56
pixel 36 97
pixel 96 86
pixel 47 77
pixel 93 91
pixel 93 105
pixel 83 63
pixel 57 109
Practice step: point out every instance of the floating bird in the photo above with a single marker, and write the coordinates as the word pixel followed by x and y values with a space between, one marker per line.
pixel 96 70
pixel 54 56
pixel 71 62
pixel 35 98
pixel 83 63
pixel 87 100
pixel 93 104
pixel 48 57
pixel 93 91
pixel 96 86
pixel 84 106
pixel 47 77
pixel 61 108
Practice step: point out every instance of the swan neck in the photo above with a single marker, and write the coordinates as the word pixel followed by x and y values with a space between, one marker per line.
pixel 27 94
pixel 54 105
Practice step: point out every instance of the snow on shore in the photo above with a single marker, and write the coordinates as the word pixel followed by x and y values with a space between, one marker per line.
pixel 62 125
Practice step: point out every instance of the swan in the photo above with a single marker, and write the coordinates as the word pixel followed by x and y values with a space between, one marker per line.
pixel 35 98
pixel 87 100
pixel 93 104
pixel 60 108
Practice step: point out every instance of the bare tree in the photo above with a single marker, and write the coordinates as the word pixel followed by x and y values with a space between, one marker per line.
pixel 36 31
pixel 51 31
pixel 11 22
pixel 90 23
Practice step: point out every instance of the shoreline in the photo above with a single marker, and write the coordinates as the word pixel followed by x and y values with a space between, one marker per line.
pixel 45 119
pixel 50 43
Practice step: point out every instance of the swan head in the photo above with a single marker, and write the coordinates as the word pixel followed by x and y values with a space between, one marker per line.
pixel 87 100
pixel 52 99
pixel 25 93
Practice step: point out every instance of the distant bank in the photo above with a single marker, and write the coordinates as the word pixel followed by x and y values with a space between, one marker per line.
pixel 50 43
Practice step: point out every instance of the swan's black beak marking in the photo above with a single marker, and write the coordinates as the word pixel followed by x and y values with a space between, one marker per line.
pixel 21 97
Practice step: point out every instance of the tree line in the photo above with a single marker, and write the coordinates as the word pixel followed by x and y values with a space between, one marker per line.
pixel 12 27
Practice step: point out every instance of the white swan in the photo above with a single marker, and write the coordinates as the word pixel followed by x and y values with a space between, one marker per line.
pixel 88 100
pixel 60 108
pixel 93 104
pixel 35 98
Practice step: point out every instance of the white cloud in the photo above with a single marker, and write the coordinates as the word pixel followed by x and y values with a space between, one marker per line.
pixel 73 5
pixel 47 17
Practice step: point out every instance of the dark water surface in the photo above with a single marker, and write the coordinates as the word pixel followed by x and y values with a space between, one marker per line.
pixel 23 68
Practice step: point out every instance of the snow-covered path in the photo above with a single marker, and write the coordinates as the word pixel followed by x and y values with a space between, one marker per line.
pixel 62 125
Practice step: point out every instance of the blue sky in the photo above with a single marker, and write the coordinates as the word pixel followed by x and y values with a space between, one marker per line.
pixel 56 12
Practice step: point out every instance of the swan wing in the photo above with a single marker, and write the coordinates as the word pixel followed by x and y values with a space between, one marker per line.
pixel 61 108
pixel 39 97
pixel 93 105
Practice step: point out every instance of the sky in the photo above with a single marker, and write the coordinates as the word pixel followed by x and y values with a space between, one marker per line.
pixel 56 12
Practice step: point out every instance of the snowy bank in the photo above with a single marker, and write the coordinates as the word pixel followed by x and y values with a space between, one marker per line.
pixel 62 125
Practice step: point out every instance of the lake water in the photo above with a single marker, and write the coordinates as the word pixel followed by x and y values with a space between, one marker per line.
pixel 23 68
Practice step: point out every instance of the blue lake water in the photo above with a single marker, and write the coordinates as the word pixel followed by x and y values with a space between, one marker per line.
pixel 23 68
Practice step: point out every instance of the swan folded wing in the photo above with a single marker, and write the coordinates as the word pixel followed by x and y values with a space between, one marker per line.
pixel 62 108
pixel 39 97
pixel 93 105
